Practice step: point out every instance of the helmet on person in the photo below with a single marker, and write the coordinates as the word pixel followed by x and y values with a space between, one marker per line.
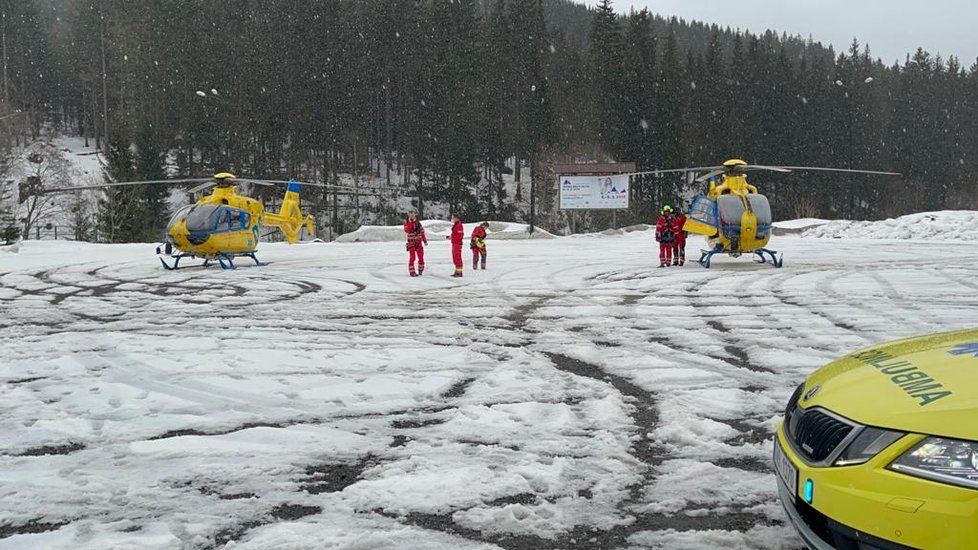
pixel 412 211
pixel 484 224
pixel 667 209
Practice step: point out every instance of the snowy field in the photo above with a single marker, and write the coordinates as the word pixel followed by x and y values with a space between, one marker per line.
pixel 571 396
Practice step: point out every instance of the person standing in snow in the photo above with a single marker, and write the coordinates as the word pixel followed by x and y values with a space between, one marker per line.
pixel 458 234
pixel 679 249
pixel 665 234
pixel 478 245
pixel 416 241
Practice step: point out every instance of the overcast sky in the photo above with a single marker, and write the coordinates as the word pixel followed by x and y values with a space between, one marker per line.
pixel 892 28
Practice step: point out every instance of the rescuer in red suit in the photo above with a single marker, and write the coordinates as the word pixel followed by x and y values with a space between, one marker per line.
pixel 416 241
pixel 458 234
pixel 679 250
pixel 477 242
pixel 665 234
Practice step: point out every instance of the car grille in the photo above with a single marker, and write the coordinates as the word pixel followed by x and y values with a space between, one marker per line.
pixel 793 401
pixel 813 433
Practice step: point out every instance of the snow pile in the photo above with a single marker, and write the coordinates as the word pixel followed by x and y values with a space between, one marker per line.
pixel 946 225
pixel 800 223
pixel 441 228
pixel 12 248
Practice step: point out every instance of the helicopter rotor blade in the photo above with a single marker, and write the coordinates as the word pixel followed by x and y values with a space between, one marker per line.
pixel 819 168
pixel 711 174
pixel 670 171
pixel 302 183
pixel 783 169
pixel 201 187
pixel 266 183
pixel 121 184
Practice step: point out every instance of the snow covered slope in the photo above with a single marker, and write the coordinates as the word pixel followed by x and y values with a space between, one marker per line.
pixel 571 396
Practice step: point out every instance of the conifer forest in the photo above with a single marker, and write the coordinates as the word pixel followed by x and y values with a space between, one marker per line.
pixel 466 105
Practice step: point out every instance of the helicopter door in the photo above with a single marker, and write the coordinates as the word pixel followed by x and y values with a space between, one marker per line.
pixel 702 217
pixel 227 223
pixel 761 208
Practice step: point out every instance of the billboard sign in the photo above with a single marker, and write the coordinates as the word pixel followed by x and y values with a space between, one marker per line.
pixel 593 192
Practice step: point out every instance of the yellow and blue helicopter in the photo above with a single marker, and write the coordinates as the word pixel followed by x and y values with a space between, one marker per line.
pixel 224 224
pixel 732 215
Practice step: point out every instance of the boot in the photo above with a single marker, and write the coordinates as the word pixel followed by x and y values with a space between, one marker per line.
pixel 483 266
pixel 420 270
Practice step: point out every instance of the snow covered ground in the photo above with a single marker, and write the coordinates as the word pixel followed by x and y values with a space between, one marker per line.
pixel 571 396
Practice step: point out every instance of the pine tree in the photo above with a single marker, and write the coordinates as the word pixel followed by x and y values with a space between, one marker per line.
pixel 122 213
pixel 606 78
pixel 148 165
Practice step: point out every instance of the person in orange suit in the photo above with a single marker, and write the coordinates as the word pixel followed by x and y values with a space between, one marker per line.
pixel 416 241
pixel 477 242
pixel 457 236
pixel 679 249
pixel 665 234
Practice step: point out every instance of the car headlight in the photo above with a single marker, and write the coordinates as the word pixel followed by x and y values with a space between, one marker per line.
pixel 867 444
pixel 952 461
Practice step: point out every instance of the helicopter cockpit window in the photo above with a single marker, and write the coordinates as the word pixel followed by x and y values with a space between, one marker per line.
pixel 235 223
pixel 762 209
pixel 177 216
pixel 730 209
pixel 204 217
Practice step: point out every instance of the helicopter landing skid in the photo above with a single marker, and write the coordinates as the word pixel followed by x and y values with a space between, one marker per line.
pixel 776 261
pixel 176 262
pixel 227 262
pixel 708 255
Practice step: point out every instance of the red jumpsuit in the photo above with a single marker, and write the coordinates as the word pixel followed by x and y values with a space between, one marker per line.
pixel 478 245
pixel 416 240
pixel 458 234
pixel 679 249
pixel 665 233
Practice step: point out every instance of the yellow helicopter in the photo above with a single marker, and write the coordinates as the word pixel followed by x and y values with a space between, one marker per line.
pixel 733 216
pixel 222 225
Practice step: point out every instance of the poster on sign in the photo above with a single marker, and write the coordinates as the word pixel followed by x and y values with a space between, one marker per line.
pixel 593 192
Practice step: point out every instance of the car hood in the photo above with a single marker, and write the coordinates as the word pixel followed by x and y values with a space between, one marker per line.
pixel 926 385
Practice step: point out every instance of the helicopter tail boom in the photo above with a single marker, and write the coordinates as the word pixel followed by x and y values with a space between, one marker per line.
pixel 289 217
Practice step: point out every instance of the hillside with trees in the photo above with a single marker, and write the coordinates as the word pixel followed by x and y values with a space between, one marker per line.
pixel 466 105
